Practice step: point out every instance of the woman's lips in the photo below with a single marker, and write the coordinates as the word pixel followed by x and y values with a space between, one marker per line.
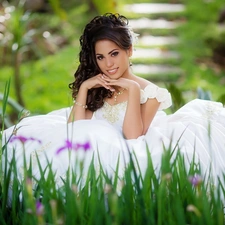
pixel 112 71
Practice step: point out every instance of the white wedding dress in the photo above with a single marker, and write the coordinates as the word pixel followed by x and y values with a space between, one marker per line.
pixel 188 128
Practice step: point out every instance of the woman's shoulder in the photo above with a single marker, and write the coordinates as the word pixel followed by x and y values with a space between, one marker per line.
pixel 150 90
pixel 143 83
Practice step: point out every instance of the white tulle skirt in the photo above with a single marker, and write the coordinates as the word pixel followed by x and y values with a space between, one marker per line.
pixel 197 129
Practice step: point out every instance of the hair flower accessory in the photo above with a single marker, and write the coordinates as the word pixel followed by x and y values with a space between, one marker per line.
pixel 134 36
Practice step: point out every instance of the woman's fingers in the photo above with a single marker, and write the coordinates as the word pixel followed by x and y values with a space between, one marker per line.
pixel 102 82
pixel 105 78
pixel 112 82
pixel 108 80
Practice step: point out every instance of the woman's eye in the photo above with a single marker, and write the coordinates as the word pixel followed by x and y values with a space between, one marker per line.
pixel 99 57
pixel 115 53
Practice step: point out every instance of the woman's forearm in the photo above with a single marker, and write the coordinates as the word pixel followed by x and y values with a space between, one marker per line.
pixel 78 111
pixel 133 125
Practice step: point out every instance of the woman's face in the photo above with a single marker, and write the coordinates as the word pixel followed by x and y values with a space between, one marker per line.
pixel 111 59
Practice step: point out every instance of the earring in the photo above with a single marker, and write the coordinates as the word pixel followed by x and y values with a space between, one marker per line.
pixel 130 63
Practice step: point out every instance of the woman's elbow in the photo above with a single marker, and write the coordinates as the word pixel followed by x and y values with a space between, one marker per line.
pixel 133 134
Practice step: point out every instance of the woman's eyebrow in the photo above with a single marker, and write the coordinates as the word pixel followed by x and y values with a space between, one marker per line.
pixel 112 51
pixel 108 53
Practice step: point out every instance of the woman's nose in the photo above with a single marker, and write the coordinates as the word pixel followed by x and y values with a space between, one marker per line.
pixel 109 62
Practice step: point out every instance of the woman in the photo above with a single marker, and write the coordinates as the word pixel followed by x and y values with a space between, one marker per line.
pixel 105 76
pixel 116 113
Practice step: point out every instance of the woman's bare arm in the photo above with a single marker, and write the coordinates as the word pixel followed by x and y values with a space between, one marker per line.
pixel 78 111
pixel 133 124
pixel 138 117
pixel 148 112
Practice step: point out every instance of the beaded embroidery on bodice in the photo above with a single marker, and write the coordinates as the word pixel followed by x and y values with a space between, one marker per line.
pixel 114 114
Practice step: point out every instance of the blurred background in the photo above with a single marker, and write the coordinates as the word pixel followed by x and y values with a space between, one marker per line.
pixel 181 47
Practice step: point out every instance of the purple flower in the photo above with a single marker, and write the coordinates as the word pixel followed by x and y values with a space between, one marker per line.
pixel 70 146
pixel 195 180
pixel 39 208
pixel 23 139
pixel 86 146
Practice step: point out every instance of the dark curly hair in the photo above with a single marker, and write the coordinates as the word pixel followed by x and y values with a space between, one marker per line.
pixel 113 27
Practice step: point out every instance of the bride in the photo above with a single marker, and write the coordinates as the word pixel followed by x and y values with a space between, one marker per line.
pixel 116 113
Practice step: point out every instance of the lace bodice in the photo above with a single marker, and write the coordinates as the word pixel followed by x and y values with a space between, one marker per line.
pixel 115 114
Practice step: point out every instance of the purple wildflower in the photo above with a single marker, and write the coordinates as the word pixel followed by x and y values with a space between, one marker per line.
pixel 86 146
pixel 70 146
pixel 23 139
pixel 39 208
pixel 195 180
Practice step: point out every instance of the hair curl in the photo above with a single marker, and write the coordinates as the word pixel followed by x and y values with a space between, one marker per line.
pixel 113 27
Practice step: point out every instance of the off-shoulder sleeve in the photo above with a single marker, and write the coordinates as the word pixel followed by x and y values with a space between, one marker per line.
pixel 161 94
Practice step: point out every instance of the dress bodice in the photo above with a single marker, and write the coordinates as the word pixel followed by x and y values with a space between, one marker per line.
pixel 114 114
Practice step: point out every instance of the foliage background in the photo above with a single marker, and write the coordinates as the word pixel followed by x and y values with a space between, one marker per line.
pixel 49 67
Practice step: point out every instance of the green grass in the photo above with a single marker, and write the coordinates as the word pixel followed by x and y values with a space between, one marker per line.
pixel 169 197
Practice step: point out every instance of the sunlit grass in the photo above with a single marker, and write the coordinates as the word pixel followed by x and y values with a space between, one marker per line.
pixel 177 195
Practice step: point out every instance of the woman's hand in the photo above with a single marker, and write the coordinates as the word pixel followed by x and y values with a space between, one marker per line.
pixel 121 82
pixel 79 111
pixel 97 82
